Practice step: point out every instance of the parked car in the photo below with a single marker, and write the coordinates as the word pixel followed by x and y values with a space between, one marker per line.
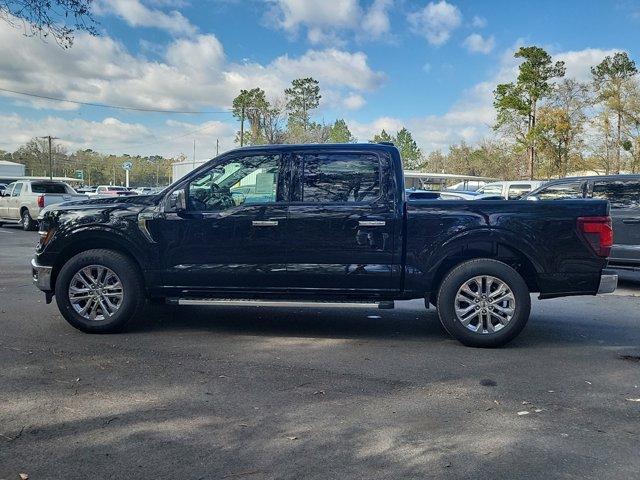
pixel 87 189
pixel 468 185
pixel 145 190
pixel 3 187
pixel 22 201
pixel 418 194
pixel 111 191
pixel 458 195
pixel 510 190
pixel 336 228
pixel 623 193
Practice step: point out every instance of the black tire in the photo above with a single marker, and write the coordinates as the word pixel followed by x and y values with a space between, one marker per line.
pixel 28 223
pixel 133 295
pixel 446 303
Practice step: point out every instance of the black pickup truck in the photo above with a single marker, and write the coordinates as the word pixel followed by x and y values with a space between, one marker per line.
pixel 322 224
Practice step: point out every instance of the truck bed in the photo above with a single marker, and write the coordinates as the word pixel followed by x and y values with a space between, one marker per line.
pixel 543 234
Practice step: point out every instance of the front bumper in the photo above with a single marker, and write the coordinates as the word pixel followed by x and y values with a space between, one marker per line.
pixel 608 282
pixel 41 276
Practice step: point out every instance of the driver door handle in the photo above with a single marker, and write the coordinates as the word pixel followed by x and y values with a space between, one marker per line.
pixel 264 223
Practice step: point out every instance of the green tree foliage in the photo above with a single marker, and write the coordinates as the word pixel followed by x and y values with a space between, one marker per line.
pixel 98 168
pixel 35 156
pixel 612 81
pixel 410 154
pixel 59 19
pixel 302 97
pixel 383 136
pixel 252 106
pixel 516 103
pixel 339 132
pixel 409 151
pixel 560 126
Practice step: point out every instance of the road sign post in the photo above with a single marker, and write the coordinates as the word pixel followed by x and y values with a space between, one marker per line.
pixel 126 166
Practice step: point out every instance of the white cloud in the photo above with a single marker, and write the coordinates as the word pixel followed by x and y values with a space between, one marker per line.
pixel 471 117
pixel 333 67
pixel 478 22
pixel 354 101
pixel 476 43
pixel 376 21
pixel 112 135
pixel 194 73
pixel 325 21
pixel 436 21
pixel 136 14
pixel 579 63
pixel 365 131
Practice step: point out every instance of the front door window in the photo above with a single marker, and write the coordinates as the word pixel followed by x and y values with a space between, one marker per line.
pixel 251 180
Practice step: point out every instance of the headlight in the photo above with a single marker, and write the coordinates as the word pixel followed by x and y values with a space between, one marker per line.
pixel 45 236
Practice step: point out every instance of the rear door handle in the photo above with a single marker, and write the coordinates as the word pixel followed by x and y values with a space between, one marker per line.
pixel 631 220
pixel 264 223
pixel 372 223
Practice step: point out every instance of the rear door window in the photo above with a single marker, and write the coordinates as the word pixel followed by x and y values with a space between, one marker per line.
pixel 340 178
pixel 491 190
pixel 620 193
pixel 518 190
pixel 562 191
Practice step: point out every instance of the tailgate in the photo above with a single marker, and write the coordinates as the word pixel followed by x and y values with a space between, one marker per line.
pixel 55 198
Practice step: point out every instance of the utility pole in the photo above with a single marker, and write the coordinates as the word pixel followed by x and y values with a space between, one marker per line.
pixel 50 138
pixel 217 146
pixel 242 126
pixel 194 154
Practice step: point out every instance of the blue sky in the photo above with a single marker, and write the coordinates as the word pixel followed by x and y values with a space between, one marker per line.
pixel 381 64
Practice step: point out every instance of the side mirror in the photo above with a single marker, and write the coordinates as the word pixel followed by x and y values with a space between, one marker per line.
pixel 176 201
pixel 181 201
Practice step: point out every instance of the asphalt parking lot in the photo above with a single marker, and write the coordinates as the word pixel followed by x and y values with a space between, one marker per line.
pixel 261 393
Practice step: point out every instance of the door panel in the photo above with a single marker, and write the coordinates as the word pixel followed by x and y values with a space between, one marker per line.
pixel 14 202
pixel 226 250
pixel 4 201
pixel 232 235
pixel 341 228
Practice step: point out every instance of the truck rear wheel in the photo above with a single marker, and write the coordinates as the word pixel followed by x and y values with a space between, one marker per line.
pixel 483 303
pixel 99 291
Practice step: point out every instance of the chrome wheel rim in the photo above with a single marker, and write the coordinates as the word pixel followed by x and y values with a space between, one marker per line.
pixel 485 304
pixel 96 292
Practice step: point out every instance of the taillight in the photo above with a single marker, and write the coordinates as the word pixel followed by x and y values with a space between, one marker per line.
pixel 598 232
pixel 41 201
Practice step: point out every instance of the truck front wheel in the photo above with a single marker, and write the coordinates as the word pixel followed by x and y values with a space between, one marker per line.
pixel 99 291
pixel 483 303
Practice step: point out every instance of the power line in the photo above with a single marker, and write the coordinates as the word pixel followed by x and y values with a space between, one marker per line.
pixel 117 107
pixel 157 141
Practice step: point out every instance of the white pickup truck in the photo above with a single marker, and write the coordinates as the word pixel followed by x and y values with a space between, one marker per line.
pixel 22 200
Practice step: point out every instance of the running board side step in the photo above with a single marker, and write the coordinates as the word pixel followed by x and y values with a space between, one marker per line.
pixel 232 302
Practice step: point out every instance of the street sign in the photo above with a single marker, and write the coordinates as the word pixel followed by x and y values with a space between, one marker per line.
pixel 127 166
pixel 79 174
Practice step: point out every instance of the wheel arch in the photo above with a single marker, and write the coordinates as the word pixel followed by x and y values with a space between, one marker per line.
pixel 493 246
pixel 95 240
